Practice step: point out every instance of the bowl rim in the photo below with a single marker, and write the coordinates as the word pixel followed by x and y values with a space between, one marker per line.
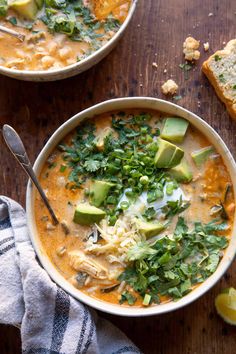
pixel 86 61
pixel 69 125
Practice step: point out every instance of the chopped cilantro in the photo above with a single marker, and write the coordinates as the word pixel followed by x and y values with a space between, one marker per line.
pixel 52 165
pixel 217 57
pixel 175 207
pixel 186 67
pixel 76 20
pixel 127 296
pixel 222 78
pixel 63 168
pixel 172 265
pixel 177 98
pixel 92 165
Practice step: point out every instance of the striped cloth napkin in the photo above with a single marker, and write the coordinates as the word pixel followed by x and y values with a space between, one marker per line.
pixel 51 321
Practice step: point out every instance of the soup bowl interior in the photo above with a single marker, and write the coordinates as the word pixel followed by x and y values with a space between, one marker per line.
pixel 67 127
pixel 76 68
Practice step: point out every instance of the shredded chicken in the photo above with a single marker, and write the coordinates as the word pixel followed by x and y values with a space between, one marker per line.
pixel 36 37
pixel 82 263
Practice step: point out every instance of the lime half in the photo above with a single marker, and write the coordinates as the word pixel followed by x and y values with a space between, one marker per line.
pixel 226 305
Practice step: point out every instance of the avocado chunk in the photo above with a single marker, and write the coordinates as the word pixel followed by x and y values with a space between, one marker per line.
pixel 99 140
pixel 25 8
pixel 177 157
pixel 200 156
pixel 168 154
pixel 86 214
pixel 182 172
pixel 99 191
pixel 174 129
pixel 149 229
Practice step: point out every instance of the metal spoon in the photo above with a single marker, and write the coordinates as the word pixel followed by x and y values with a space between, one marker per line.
pixel 17 148
pixel 12 33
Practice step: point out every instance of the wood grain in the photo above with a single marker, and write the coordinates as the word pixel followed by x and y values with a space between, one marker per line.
pixel 156 34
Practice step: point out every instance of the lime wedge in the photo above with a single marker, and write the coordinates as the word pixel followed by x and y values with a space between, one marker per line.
pixel 226 305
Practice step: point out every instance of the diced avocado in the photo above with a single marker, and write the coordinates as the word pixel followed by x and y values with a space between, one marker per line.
pixel 174 129
pixel 182 172
pixel 25 8
pixel 86 214
pixel 177 157
pixel 200 156
pixel 99 140
pixel 99 191
pixel 149 229
pixel 168 154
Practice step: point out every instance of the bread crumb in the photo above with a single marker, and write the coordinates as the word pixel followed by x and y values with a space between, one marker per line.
pixel 154 64
pixel 190 49
pixel 210 14
pixel 206 46
pixel 164 71
pixel 169 87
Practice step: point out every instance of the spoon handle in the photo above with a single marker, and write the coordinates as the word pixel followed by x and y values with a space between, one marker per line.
pixel 17 148
pixel 12 33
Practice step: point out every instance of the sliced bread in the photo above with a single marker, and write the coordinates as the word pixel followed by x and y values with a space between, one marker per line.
pixel 220 69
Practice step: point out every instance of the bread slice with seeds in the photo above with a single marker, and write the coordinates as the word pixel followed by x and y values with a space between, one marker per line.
pixel 220 69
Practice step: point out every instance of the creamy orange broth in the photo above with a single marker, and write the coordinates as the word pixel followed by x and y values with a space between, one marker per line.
pixel 44 50
pixel 205 190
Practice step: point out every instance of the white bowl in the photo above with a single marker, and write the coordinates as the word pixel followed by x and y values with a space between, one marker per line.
pixel 74 69
pixel 61 132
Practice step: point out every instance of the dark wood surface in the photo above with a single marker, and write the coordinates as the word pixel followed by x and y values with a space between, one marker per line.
pixel 156 34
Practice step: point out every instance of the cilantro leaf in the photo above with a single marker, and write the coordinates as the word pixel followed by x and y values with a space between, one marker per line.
pixel 213 262
pixel 127 296
pixel 140 250
pixel 92 165
pixel 181 227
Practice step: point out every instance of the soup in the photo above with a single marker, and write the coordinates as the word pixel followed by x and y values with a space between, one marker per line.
pixel 58 33
pixel 146 208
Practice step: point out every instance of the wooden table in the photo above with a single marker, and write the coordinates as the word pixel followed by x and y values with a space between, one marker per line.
pixel 156 34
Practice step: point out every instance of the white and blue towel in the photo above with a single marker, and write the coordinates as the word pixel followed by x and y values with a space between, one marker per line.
pixel 51 321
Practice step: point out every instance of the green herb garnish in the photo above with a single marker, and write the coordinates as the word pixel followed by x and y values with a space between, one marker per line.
pixel 77 21
pixel 222 78
pixel 186 67
pixel 127 296
pixel 63 168
pixel 217 57
pixel 174 264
